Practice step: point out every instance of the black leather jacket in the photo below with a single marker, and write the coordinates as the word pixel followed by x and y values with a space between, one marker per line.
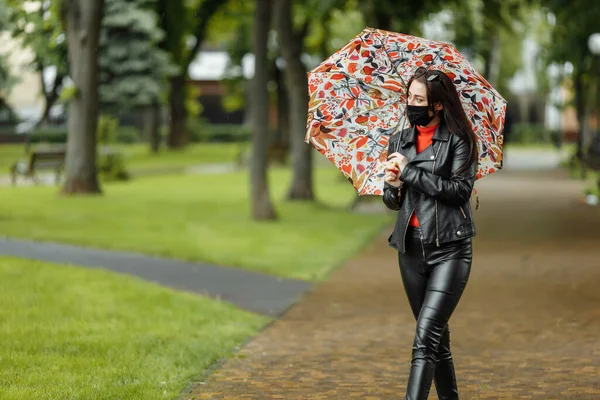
pixel 432 189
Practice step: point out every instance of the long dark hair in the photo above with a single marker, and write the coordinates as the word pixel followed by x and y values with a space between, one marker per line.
pixel 441 89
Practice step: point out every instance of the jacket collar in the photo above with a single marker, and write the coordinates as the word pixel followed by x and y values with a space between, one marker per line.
pixel 441 134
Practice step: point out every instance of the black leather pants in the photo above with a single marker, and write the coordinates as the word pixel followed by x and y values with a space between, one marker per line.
pixel 434 279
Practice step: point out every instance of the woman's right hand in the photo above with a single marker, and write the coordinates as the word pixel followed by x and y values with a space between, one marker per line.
pixel 392 173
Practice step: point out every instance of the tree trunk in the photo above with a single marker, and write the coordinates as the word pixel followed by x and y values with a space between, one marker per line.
pixel 262 208
pixel 280 146
pixel 580 109
pixel 151 123
pixel 492 59
pixel 297 85
pixel 83 31
pixel 50 97
pixel 178 134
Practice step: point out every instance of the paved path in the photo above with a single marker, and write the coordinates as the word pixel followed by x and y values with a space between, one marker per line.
pixel 527 327
pixel 263 294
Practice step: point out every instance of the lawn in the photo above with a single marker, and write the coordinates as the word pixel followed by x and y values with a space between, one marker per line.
pixel 70 333
pixel 140 160
pixel 202 218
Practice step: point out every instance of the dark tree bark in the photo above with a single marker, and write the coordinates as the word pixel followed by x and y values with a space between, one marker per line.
pixel 151 118
pixel 279 147
pixel 178 132
pixel 82 20
pixel 291 44
pixel 262 208
pixel 492 58
pixel 50 96
pixel 580 109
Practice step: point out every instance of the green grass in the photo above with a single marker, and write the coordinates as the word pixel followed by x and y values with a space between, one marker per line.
pixel 69 333
pixel 140 160
pixel 203 218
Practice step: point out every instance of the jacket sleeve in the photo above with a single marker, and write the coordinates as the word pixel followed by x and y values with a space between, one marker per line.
pixel 455 191
pixel 391 197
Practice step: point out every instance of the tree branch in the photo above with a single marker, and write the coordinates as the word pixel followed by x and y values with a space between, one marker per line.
pixel 205 14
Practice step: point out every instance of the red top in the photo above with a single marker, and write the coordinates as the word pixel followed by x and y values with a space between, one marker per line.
pixel 424 139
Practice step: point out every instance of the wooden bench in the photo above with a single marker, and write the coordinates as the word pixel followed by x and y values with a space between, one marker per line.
pixel 43 158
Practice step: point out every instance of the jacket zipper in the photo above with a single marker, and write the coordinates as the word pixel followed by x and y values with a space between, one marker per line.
pixel 437 233
pixel 406 229
pixel 463 212
pixel 422 245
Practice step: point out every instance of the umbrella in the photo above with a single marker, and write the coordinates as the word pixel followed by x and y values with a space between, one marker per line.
pixel 358 98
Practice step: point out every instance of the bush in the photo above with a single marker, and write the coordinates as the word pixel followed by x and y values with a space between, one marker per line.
pixel 52 135
pixel 204 132
pixel 128 134
pixel 58 135
pixel 107 129
pixel 110 163
pixel 525 133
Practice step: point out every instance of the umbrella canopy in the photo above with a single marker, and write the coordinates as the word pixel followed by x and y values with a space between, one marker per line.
pixel 358 99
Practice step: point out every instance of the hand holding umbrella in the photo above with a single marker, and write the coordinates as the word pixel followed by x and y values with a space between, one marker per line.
pixel 394 167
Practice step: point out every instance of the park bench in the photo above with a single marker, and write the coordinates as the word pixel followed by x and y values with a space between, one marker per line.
pixel 41 158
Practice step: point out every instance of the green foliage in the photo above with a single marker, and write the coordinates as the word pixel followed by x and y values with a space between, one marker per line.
pixel 231 30
pixel 529 133
pixel 58 135
pixel 128 134
pixel 192 104
pixel 111 162
pixel 574 22
pixel 68 93
pixel 54 135
pixel 133 69
pixel 481 27
pixel 111 166
pixel 40 30
pixel 7 79
pixel 203 132
pixel 107 129
pixel 333 24
pixel 143 162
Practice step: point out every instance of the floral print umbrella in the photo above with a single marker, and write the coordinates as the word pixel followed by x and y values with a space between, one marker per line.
pixel 358 98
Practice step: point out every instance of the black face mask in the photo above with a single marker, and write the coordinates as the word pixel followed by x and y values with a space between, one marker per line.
pixel 418 115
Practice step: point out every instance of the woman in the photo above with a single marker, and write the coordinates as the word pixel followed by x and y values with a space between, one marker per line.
pixel 429 178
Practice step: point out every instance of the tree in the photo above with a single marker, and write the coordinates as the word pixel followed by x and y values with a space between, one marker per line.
pixel 133 70
pixel 262 208
pixel 38 28
pixel 574 22
pixel 7 81
pixel 181 20
pixel 303 28
pixel 291 46
pixel 82 19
